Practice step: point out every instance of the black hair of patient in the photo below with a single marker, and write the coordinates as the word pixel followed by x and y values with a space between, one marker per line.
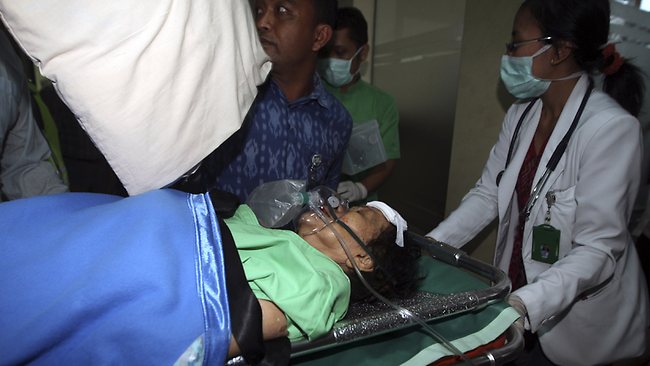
pixel 396 275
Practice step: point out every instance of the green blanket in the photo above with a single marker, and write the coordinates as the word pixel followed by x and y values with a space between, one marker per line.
pixel 413 346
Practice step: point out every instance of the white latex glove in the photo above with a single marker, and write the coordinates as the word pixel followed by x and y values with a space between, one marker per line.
pixel 517 304
pixel 352 191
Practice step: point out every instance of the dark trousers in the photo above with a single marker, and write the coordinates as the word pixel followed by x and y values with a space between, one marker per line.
pixel 643 248
pixel 532 354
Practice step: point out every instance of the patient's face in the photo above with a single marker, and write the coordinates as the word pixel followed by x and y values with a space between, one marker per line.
pixel 366 222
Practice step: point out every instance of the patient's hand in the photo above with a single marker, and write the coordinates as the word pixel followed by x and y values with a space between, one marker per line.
pixel 274 325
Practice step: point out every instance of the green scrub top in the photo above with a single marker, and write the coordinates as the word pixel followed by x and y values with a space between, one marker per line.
pixel 365 103
pixel 310 288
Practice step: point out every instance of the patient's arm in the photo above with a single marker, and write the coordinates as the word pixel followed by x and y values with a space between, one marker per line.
pixel 274 325
pixel 274 322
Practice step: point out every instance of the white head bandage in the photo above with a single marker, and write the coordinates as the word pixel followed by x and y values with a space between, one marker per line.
pixel 394 218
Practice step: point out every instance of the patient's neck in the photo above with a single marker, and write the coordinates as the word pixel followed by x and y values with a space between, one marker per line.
pixel 324 244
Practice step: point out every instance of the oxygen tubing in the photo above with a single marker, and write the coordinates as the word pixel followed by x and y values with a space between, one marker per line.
pixel 405 313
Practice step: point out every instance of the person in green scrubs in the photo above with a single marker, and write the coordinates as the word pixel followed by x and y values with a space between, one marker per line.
pixel 340 67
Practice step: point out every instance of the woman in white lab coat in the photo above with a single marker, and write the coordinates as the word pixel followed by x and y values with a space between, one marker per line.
pixel 562 234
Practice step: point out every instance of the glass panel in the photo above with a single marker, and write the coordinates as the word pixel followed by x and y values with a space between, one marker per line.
pixel 645 5
pixel 417 60
pixel 630 30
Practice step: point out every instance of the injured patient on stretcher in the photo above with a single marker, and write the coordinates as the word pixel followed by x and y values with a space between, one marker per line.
pixel 306 275
pixel 95 278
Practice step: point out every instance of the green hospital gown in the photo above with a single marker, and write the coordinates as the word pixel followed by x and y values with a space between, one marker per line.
pixel 310 288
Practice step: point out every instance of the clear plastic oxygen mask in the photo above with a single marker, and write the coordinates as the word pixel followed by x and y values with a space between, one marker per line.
pixel 278 203
pixel 329 216
pixel 323 210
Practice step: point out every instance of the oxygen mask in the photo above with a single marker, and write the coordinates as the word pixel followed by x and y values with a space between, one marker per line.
pixel 325 207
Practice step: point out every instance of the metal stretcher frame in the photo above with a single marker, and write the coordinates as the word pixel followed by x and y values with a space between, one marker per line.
pixel 430 307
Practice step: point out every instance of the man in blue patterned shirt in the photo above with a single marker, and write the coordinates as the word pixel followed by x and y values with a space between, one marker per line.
pixel 295 129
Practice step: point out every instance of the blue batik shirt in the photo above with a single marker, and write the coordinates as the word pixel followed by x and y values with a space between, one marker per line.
pixel 280 140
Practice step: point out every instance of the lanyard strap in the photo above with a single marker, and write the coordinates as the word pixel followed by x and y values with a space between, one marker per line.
pixel 514 138
pixel 516 133
pixel 557 153
pixel 561 147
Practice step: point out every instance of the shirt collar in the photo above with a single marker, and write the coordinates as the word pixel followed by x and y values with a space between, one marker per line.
pixel 318 94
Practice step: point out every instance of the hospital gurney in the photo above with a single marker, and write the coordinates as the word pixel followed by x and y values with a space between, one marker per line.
pixel 462 307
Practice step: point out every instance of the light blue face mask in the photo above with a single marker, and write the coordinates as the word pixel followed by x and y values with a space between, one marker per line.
pixel 337 71
pixel 517 75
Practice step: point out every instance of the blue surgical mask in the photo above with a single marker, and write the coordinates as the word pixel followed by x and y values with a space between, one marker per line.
pixel 337 71
pixel 517 75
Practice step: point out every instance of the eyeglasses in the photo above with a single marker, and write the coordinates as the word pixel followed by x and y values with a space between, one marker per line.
pixel 512 46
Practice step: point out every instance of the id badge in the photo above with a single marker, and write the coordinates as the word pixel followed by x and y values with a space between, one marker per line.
pixel 546 244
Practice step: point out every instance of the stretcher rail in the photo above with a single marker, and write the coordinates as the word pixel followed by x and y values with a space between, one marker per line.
pixel 369 320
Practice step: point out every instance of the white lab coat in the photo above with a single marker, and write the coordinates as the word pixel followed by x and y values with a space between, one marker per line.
pixel 579 320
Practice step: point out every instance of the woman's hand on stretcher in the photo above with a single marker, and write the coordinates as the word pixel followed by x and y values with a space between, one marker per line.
pixel 274 325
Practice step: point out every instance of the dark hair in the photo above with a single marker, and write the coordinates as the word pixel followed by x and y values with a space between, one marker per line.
pixel 325 12
pixel 586 25
pixel 352 19
pixel 395 273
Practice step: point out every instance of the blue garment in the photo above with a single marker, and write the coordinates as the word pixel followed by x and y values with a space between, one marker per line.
pixel 279 138
pixel 91 279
